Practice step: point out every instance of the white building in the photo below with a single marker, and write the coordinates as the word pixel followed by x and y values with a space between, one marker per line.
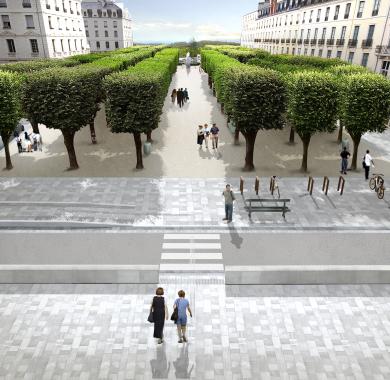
pixel 108 25
pixel 41 29
pixel 352 30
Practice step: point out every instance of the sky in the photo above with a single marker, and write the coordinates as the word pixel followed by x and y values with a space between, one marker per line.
pixel 182 20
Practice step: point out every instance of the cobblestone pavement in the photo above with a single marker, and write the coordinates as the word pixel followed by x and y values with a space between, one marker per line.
pixel 184 203
pixel 100 332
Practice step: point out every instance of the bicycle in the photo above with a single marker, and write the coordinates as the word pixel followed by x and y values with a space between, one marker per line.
pixel 377 183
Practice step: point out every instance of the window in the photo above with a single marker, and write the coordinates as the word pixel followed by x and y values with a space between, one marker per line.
pixel 365 59
pixel 62 45
pixel 3 3
pixel 385 69
pixel 59 23
pixel 350 57
pixel 360 9
pixel 96 33
pixel 370 33
pixel 106 33
pixel 29 22
pixel 315 33
pixel 107 45
pixel 95 24
pixel 323 33
pixel 327 14
pixel 312 52
pixel 115 23
pixel 87 33
pixel 105 24
pixel 69 47
pixel 320 53
pixel 338 54
pixel 311 16
pixel 53 44
pixel 329 54
pixel 299 51
pixel 293 51
pixel 97 44
pixel 47 5
pixel 116 44
pixel 333 33
pixel 26 3
pixel 308 34
pixel 34 46
pixel 356 32
pixel 11 46
pixel 336 12
pixel 6 22
pixel 75 44
pixel 375 9
pixel 347 10
pixel 303 18
pixel 305 51
pixel 115 33
pixel 318 15
pixel 50 24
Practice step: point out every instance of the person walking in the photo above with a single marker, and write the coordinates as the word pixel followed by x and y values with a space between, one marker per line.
pixel 367 163
pixel 206 134
pixel 160 314
pixel 19 144
pixel 344 160
pixel 180 97
pixel 182 306
pixel 185 95
pixel 214 135
pixel 173 95
pixel 200 136
pixel 229 199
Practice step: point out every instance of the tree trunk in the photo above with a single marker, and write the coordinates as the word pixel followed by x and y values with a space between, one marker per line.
pixel 149 137
pixel 356 142
pixel 340 136
pixel 138 147
pixel 210 82
pixel 35 126
pixel 222 109
pixel 250 139
pixel 93 132
pixel 237 137
pixel 292 135
pixel 69 144
pixel 306 142
pixel 8 164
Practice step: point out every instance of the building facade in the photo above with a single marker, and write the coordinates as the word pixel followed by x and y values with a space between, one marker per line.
pixel 108 25
pixel 353 30
pixel 41 29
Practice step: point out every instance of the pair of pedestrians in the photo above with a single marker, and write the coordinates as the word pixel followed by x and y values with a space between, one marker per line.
pixel 367 163
pixel 159 313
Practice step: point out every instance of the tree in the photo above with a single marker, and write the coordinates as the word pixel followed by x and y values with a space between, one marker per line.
pixel 257 101
pixel 365 107
pixel 62 99
pixel 10 110
pixel 312 106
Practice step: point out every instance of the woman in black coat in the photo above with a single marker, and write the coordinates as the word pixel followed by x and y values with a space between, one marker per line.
pixel 160 313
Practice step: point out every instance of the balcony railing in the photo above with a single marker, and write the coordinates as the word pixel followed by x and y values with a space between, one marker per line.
pixel 352 43
pixel 313 41
pixel 366 44
pixel 306 41
pixel 330 41
pixel 321 41
pixel 340 42
pixel 293 40
pixel 288 40
pixel 299 41
pixel 382 50
pixel 283 40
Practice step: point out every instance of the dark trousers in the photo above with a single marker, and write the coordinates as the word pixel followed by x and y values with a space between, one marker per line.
pixel 367 171
pixel 229 211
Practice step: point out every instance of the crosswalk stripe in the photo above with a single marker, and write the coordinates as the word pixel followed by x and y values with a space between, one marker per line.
pixel 173 267
pixel 191 256
pixel 191 245
pixel 191 237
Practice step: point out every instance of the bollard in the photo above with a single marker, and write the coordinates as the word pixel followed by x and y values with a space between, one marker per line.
pixel 310 185
pixel 341 184
pixel 272 185
pixel 242 185
pixel 325 185
pixel 257 185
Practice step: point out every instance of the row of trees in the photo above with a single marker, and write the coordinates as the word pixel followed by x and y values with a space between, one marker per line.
pixel 310 94
pixel 135 97
pixel 61 96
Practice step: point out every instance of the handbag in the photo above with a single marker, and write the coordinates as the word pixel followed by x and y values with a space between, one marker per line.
pixel 150 318
pixel 175 314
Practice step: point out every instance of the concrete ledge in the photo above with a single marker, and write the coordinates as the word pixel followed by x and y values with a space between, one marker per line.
pixel 307 274
pixel 79 274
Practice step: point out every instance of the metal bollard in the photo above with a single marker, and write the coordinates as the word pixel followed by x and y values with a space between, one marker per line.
pixel 310 185
pixel 325 185
pixel 242 185
pixel 257 185
pixel 341 185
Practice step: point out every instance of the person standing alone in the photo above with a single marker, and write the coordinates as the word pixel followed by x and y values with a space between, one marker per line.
pixel 367 163
pixel 344 160
pixel 229 199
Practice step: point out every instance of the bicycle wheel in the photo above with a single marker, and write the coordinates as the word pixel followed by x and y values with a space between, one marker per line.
pixel 381 192
pixel 372 184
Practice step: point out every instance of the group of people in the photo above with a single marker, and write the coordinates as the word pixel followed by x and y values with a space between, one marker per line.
pixel 205 133
pixel 180 95
pixel 28 142
pixel 367 163
pixel 159 312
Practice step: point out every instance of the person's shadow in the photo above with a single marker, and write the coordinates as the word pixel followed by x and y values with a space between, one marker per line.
pixel 182 363
pixel 159 365
pixel 235 238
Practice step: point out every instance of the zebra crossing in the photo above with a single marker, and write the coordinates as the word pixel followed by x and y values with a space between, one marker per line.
pixel 191 253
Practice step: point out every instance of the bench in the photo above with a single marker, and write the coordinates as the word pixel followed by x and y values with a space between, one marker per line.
pixel 264 205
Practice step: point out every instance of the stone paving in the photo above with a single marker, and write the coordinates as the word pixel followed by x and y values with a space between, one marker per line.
pixel 184 203
pixel 100 332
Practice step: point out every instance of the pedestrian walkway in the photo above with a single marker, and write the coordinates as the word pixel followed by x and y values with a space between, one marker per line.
pixel 191 253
